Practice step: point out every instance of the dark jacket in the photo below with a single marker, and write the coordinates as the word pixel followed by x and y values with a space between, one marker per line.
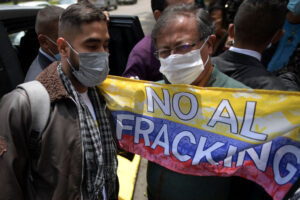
pixel 37 66
pixel 58 172
pixel 247 70
pixel 142 62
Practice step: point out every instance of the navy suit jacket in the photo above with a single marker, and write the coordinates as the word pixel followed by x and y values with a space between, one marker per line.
pixel 247 70
pixel 37 66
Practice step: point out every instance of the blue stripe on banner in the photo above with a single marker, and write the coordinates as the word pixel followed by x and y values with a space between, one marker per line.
pixel 204 146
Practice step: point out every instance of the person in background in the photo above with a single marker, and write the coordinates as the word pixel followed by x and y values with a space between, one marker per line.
pixel 285 62
pixel 142 62
pixel 46 28
pixel 256 24
pixel 184 38
pixel 223 12
pixel 217 12
pixel 76 156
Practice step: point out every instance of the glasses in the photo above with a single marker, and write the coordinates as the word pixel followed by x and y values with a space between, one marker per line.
pixel 180 49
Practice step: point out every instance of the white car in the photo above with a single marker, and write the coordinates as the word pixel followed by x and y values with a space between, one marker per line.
pixel 65 3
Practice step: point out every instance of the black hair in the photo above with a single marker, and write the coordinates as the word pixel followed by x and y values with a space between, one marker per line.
pixel 205 24
pixel 257 21
pixel 158 5
pixel 47 19
pixel 75 15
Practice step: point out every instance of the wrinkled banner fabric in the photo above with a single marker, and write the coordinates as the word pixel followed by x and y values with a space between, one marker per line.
pixel 210 131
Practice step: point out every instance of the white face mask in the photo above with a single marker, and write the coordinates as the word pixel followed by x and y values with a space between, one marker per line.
pixel 183 68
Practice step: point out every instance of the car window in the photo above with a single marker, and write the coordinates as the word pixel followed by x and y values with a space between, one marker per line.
pixel 15 38
pixel 67 1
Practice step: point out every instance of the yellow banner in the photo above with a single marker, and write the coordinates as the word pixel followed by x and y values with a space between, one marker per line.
pixel 225 129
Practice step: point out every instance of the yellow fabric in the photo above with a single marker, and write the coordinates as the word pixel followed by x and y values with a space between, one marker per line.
pixel 127 172
pixel 271 106
pixel 254 134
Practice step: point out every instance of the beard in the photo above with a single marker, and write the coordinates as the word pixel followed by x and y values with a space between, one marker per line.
pixel 74 60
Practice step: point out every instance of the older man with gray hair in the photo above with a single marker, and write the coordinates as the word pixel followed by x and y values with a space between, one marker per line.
pixel 184 37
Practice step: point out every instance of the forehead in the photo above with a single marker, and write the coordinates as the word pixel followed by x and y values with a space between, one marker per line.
pixel 179 29
pixel 97 29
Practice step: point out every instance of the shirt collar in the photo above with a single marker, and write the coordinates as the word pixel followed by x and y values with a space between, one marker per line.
pixel 248 52
pixel 45 54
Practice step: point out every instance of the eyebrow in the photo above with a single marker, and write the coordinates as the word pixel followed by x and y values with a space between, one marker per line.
pixel 90 40
pixel 178 43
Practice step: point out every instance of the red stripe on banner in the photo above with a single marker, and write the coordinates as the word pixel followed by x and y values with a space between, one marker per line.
pixel 247 171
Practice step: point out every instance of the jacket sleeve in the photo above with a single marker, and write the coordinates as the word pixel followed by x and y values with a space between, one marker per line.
pixel 136 65
pixel 15 122
pixel 290 80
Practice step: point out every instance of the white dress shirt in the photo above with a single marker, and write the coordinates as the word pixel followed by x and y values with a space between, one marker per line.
pixel 248 52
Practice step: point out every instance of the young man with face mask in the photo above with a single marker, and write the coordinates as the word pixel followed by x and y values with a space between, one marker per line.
pixel 184 37
pixel 46 28
pixel 77 157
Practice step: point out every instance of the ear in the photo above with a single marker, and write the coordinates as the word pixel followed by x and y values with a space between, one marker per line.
pixel 157 14
pixel 231 31
pixel 278 35
pixel 44 43
pixel 63 47
pixel 210 44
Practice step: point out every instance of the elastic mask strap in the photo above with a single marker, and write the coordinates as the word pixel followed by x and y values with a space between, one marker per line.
pixel 53 55
pixel 204 43
pixel 206 61
pixel 72 68
pixel 50 40
pixel 202 48
pixel 72 48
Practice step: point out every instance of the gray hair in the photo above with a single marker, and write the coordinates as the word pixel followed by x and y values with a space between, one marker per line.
pixel 205 24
